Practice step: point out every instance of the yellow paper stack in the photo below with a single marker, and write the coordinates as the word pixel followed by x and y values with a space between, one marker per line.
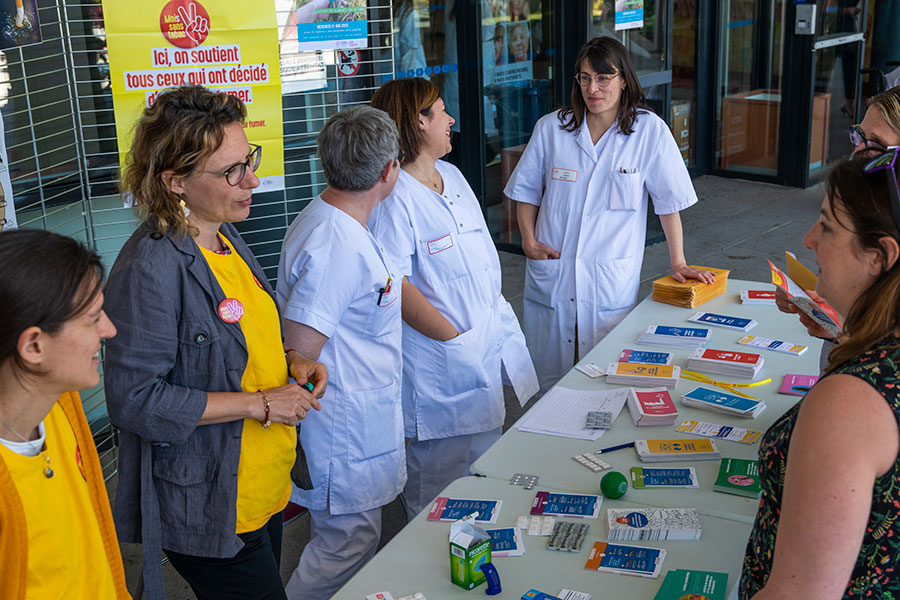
pixel 692 293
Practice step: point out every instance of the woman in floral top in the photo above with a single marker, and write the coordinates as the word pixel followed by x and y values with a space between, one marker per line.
pixel 828 524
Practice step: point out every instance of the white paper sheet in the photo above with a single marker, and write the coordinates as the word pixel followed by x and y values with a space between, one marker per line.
pixel 563 411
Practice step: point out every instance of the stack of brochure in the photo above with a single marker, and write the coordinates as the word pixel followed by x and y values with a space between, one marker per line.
pixel 724 403
pixel 758 297
pixel 651 524
pixel 735 323
pixel 626 560
pixel 645 356
pixel 691 293
pixel 651 407
pixel 738 476
pixel 653 451
pixel 725 362
pixel 643 375
pixel 677 337
pixel 681 583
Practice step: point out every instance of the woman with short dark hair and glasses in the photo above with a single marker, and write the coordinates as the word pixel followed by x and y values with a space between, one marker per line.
pixel 197 379
pixel 582 188
pixel 828 524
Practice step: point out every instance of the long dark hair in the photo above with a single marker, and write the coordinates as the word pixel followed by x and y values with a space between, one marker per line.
pixel 45 280
pixel 606 55
pixel 865 202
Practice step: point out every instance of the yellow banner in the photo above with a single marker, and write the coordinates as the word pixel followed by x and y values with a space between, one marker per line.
pixel 219 44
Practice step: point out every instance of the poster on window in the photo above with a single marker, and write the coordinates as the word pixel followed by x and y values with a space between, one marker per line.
pixel 331 24
pixel 156 45
pixel 507 52
pixel 19 24
pixel 629 14
pixel 300 71
pixel 7 207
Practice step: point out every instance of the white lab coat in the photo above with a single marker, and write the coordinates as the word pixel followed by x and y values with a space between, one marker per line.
pixel 442 244
pixel 593 210
pixel 329 278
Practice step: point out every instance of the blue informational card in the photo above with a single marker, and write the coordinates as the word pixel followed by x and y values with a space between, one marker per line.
pixel 628 560
pixel 738 323
pixel 644 477
pixel 695 332
pixel 502 539
pixel 566 505
pixel 703 397
pixel 451 509
pixel 506 541
pixel 645 357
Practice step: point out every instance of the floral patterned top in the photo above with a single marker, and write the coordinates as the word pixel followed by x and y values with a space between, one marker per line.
pixel 875 574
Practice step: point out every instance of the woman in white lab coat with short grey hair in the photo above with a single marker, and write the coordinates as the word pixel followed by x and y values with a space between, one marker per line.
pixel 582 188
pixel 460 335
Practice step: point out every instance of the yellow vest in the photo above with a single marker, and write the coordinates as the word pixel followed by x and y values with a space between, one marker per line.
pixel 267 455
pixel 57 537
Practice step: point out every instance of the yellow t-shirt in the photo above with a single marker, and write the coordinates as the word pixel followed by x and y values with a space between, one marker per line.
pixel 66 557
pixel 267 455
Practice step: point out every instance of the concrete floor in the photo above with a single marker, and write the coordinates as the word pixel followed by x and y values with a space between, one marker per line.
pixel 736 225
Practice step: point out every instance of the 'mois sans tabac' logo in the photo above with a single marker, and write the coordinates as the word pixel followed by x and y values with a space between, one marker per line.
pixel 184 23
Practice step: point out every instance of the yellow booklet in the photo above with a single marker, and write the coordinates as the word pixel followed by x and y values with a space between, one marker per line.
pixel 671 450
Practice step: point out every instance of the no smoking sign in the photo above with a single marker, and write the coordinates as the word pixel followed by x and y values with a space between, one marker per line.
pixel 348 62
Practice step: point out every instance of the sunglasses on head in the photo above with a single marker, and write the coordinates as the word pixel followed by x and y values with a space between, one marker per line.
pixel 887 161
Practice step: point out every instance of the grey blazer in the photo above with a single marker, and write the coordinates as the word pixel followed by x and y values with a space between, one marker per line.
pixel 177 481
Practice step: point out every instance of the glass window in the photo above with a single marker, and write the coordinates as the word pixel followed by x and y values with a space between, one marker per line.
pixel 834 104
pixel 839 17
pixel 750 81
pixel 647 44
pixel 684 79
pixel 517 43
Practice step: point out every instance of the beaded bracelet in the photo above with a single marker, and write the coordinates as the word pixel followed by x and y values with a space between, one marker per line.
pixel 265 421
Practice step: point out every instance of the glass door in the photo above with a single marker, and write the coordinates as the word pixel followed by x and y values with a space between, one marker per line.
pixel 838 58
pixel 749 80
pixel 517 44
pixel 685 79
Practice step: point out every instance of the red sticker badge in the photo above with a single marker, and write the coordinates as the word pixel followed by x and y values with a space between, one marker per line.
pixel 231 310
pixel 184 23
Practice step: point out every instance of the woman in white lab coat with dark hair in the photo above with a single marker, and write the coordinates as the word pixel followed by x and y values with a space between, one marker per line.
pixel 582 188
pixel 459 333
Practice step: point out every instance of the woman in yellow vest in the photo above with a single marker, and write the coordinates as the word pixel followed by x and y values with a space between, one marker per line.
pixel 57 538
pixel 197 379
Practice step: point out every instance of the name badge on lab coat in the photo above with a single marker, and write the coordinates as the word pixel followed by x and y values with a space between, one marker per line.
pixel 565 174
pixel 440 244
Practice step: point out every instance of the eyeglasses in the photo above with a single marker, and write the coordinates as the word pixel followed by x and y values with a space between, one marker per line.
pixel 584 80
pixel 234 175
pixel 858 137
pixel 887 161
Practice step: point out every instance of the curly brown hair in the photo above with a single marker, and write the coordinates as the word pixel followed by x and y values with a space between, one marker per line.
pixel 177 133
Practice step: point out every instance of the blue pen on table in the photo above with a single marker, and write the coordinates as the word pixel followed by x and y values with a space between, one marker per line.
pixel 611 448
